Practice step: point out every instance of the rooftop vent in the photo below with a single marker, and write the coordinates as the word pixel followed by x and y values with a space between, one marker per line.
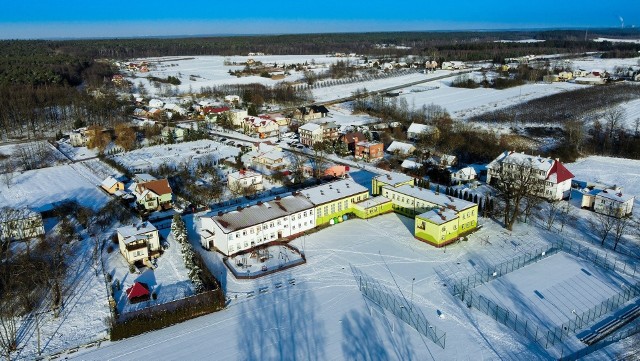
pixel 239 208
pixel 278 198
pixel 220 214
pixel 259 203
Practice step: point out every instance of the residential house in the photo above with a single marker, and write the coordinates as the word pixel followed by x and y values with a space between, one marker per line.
pixel 464 175
pixel 554 179
pixel 410 164
pixel 263 126
pixel 338 171
pixel 369 151
pixel 392 179
pixel 78 137
pixel 312 133
pixel 350 139
pixel 111 185
pixel 439 219
pixel 265 222
pixel 244 179
pixel 211 113
pixel 232 99
pixel 237 116
pixel 279 118
pixel 335 199
pixel 311 112
pixel 415 130
pixel 153 195
pixel 268 156
pixel 613 202
pixel 139 242
pixel 156 103
pixel 401 148
pixel 173 134
pixel 453 65
pixel 20 223
pixel 442 160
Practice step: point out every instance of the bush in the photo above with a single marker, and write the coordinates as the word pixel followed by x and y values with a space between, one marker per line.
pixel 132 268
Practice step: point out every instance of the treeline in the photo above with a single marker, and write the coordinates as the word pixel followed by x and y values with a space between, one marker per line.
pixel 258 94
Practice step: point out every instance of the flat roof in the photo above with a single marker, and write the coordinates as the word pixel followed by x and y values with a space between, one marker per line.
pixel 430 196
pixel 260 213
pixel 373 201
pixel 332 191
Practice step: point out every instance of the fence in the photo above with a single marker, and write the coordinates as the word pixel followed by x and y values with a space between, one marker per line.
pixel 461 286
pixel 399 306
pixel 582 320
pixel 597 346
pixel 464 289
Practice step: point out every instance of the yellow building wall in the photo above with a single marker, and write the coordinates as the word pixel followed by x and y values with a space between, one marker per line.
pixel 336 209
pixel 376 185
pixel 365 213
pixel 436 234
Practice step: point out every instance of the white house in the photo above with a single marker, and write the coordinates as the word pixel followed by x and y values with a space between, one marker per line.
pixel 310 133
pixel 401 148
pixel 245 228
pixel 232 99
pixel 237 116
pixel 139 242
pixel 156 103
pixel 263 126
pixel 613 202
pixel 554 178
pixel 243 179
pixel 464 175
pixel 78 137
pixel 22 223
pixel 416 129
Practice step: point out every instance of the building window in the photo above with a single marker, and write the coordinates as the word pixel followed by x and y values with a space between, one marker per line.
pixel 244 233
pixel 311 211
pixel 339 207
pixel 304 214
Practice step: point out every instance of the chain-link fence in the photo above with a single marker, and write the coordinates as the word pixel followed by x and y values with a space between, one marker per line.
pixel 566 354
pixel 460 286
pixel 399 306
pixel 465 290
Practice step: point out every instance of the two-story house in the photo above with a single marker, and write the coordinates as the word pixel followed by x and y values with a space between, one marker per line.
pixel 153 195
pixel 263 126
pixel 553 179
pixel 311 112
pixel 244 179
pixel 138 242
pixel 312 133
pixel 369 151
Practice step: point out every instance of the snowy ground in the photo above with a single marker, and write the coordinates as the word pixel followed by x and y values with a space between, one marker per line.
pixel 347 90
pixel 326 316
pixel 210 70
pixel 149 158
pixel 169 280
pixel 610 171
pixel 39 188
pixel 77 153
pixel 595 63
pixel 464 103
pixel 275 257
pixel 550 291
pixel 631 114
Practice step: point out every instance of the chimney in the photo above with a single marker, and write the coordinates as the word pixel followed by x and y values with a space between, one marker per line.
pixel 239 208
pixel 259 203
pixel 220 214
pixel 278 198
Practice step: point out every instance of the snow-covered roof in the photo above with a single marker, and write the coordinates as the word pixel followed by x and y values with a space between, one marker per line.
pixel 332 191
pixel 260 213
pixel 310 127
pixel 401 147
pixel 511 157
pixel 373 201
pixel 156 103
pixel 467 172
pixel 143 177
pixel 131 233
pixel 393 178
pixel 439 216
pixel 430 196
pixel 109 182
pixel 419 128
pixel 410 164
pixel 614 195
pixel 244 173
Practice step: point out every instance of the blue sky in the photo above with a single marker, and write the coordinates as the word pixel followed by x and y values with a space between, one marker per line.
pixel 117 18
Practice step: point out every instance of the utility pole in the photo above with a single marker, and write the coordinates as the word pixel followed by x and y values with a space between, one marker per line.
pixel 412 281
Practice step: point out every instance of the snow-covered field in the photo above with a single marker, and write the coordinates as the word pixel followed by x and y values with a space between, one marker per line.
pixel 576 286
pixel 149 158
pixel 609 64
pixel 324 316
pixel 631 114
pixel 211 71
pixel 39 188
pixel 464 103
pixel 346 90
pixel 609 171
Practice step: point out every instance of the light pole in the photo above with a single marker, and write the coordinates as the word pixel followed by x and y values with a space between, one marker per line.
pixel 412 281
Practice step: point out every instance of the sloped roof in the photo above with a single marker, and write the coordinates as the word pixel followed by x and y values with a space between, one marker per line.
pixel 393 178
pixel 419 128
pixel 351 137
pixel 559 173
pixel 109 182
pixel 310 127
pixel 439 216
pixel 332 191
pixel 400 146
pixel 159 187
pixel 138 289
pixel 129 233
pixel 614 195
pixel 430 196
pixel 260 213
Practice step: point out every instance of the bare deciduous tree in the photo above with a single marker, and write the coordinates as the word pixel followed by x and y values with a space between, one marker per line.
pixel 602 224
pixel 620 225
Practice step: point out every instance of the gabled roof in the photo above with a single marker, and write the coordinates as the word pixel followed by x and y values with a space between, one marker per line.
pixel 109 182
pixel 559 173
pixel 332 191
pixel 138 289
pixel 310 127
pixel 159 187
pixel 129 233
pixel 419 128
pixel 319 109
pixel 214 110
pixel 351 137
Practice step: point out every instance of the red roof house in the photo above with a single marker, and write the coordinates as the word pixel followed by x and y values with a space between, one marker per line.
pixel 138 292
